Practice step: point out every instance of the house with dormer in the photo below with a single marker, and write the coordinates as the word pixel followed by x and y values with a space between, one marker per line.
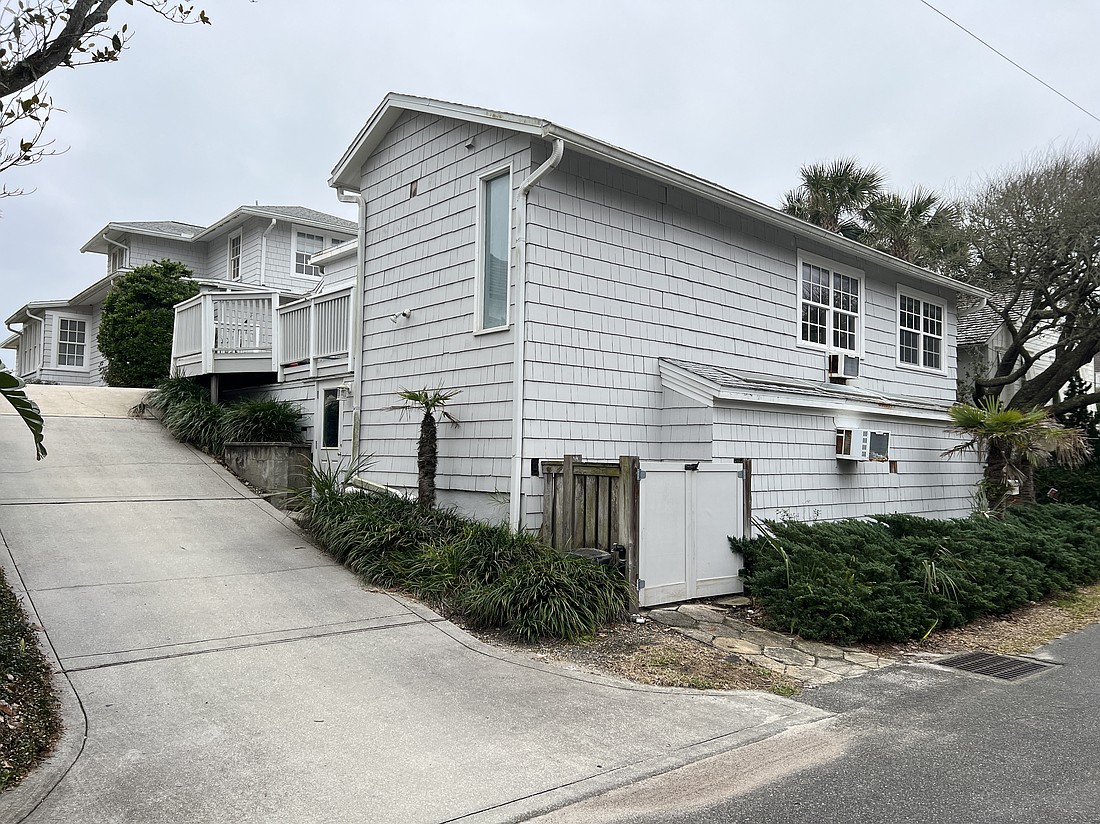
pixel 261 251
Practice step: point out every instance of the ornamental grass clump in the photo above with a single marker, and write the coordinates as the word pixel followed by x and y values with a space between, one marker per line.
pixel 900 576
pixel 198 422
pixel 492 575
pixel 259 420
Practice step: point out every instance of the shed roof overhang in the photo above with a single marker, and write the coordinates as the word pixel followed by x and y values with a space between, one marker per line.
pixel 715 386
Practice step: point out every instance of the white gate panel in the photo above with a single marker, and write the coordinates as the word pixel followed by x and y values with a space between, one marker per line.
pixel 685 519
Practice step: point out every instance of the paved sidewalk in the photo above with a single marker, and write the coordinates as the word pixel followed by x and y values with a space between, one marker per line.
pixel 224 670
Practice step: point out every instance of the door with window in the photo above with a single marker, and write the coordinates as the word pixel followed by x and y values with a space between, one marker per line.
pixel 328 422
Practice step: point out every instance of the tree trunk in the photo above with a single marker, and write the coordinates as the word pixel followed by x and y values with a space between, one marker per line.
pixel 427 457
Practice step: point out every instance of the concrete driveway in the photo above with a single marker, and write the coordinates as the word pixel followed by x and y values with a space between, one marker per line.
pixel 225 670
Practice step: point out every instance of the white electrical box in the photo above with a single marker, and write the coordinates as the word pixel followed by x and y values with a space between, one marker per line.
pixel 862 445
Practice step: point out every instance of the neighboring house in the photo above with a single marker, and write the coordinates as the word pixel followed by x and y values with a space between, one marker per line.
pixel 589 301
pixel 257 249
pixel 983 338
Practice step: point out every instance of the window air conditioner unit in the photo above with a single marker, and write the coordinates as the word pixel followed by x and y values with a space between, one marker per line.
pixel 862 445
pixel 843 367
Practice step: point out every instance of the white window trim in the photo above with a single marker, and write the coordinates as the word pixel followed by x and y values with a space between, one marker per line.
pixel 328 240
pixel 924 297
pixel 861 316
pixel 57 316
pixel 479 249
pixel 237 235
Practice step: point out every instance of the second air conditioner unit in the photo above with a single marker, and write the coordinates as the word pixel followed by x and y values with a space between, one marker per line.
pixel 843 367
pixel 862 445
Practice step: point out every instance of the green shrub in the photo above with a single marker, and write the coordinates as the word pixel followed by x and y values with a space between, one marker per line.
pixel 489 573
pixel 262 419
pixel 171 391
pixel 1073 486
pixel 900 576
pixel 197 422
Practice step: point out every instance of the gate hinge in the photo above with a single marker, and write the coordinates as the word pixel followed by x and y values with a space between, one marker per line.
pixel 640 473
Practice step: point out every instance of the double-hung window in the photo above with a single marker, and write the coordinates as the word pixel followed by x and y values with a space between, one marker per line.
pixel 235 256
pixel 72 335
pixel 305 246
pixel 829 306
pixel 920 332
pixel 495 245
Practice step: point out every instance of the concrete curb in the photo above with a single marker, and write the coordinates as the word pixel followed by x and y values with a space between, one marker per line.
pixel 24 798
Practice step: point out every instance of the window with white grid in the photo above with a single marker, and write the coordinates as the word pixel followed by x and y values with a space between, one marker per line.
pixel 306 245
pixel 829 307
pixel 920 332
pixel 71 342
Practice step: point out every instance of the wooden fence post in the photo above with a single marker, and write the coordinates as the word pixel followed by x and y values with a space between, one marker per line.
pixel 568 512
pixel 629 470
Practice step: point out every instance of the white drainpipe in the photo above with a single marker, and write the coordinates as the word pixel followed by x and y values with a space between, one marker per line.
pixel 263 253
pixel 515 499
pixel 358 295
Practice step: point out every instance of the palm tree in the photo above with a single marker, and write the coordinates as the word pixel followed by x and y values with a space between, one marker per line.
pixel 835 196
pixel 1014 442
pixel 431 402
pixel 919 229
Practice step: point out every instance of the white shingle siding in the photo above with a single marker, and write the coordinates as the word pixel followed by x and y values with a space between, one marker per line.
pixel 421 258
pixel 145 249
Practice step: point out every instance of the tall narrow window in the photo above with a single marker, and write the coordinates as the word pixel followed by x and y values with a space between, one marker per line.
pixel 71 341
pixel 330 419
pixel 235 257
pixel 920 333
pixel 306 245
pixel 829 304
pixel 117 259
pixel 495 242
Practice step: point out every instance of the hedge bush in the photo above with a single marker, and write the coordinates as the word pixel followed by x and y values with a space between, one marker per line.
pixel 1073 486
pixel 492 575
pixel 188 414
pixel 900 576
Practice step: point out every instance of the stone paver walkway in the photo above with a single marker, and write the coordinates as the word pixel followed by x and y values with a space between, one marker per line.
pixel 712 623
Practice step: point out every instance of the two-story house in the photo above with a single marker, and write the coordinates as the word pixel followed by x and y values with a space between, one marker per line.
pixel 261 251
pixel 587 300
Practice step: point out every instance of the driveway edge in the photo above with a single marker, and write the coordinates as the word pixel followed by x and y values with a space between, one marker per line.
pixel 24 798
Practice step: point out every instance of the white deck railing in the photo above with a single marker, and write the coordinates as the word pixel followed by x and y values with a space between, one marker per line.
pixel 225 326
pixel 315 329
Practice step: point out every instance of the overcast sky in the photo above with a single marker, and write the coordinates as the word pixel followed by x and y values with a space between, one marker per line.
pixel 194 121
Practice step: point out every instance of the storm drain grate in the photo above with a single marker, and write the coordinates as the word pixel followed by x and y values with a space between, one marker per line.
pixel 995 666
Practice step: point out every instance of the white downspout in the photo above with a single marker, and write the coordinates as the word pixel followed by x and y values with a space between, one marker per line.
pixel 263 252
pixel 358 295
pixel 515 499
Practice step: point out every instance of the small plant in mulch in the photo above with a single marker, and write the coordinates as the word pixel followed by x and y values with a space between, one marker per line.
pixel 30 719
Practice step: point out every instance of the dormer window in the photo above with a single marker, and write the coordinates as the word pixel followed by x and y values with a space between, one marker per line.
pixel 117 259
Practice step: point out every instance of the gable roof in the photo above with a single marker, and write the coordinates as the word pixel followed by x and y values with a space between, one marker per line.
pixel 346 174
pixel 190 232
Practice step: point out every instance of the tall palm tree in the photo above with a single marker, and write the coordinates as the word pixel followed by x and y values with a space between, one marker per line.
pixel 835 196
pixel 920 229
pixel 1014 442
pixel 430 402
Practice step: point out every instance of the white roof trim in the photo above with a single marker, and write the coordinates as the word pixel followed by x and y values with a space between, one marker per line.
pixel 346 175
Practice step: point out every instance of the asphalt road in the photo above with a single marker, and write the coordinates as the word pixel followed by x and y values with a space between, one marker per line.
pixel 914 743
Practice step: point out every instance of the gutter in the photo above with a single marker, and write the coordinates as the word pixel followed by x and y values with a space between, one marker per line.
pixel 263 252
pixel 515 498
pixel 355 333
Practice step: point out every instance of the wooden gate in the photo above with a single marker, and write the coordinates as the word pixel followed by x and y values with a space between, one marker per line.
pixel 590 503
